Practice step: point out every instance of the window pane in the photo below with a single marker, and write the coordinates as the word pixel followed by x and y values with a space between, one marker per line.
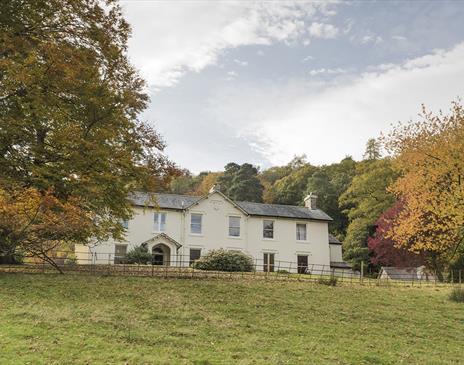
pixel 234 226
pixel 234 231
pixel 162 222
pixel 156 221
pixel 301 232
pixel 195 223
pixel 268 229
pixel 268 224
pixel 195 254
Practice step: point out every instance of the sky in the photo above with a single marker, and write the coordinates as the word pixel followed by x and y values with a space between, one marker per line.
pixel 261 82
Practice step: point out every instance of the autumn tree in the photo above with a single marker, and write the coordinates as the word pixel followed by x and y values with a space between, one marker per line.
pixel 36 223
pixel 383 250
pixel 429 154
pixel 206 183
pixel 69 107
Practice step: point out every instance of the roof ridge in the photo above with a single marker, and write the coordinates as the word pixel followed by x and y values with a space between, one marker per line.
pixel 182 195
pixel 279 205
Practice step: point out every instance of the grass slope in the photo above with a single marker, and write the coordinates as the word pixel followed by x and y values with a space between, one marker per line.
pixel 52 319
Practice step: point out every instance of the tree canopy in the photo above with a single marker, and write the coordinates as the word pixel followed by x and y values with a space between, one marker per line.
pixel 241 183
pixel 365 199
pixel 69 107
pixel 429 154
pixel 384 250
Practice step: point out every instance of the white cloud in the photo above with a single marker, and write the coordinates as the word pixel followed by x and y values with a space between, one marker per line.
pixel 371 38
pixel 330 71
pixel 172 38
pixel 326 121
pixel 231 75
pixel 241 63
pixel 308 58
pixel 321 30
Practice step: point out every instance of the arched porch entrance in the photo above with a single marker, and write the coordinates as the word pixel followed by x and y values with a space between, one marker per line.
pixel 161 254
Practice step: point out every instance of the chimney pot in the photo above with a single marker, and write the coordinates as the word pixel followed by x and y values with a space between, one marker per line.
pixel 214 188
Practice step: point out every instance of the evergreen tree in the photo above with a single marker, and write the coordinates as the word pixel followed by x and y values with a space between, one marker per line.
pixel 241 182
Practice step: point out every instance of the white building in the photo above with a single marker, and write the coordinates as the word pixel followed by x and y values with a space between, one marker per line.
pixel 177 229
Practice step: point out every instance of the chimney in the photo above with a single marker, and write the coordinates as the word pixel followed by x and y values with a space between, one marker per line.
pixel 311 201
pixel 214 188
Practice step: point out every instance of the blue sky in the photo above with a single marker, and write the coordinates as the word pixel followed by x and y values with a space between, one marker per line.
pixel 261 82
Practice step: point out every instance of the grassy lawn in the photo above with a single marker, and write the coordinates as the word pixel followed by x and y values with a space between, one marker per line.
pixel 52 319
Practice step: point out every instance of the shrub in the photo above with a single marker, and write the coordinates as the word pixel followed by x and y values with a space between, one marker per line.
pixel 332 281
pixel 71 260
pixel 457 295
pixel 222 260
pixel 14 258
pixel 138 255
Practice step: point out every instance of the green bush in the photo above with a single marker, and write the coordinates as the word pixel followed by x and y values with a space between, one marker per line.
pixel 332 281
pixel 457 295
pixel 222 260
pixel 14 258
pixel 71 260
pixel 138 255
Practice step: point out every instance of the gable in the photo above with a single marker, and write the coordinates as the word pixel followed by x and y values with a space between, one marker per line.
pixel 216 203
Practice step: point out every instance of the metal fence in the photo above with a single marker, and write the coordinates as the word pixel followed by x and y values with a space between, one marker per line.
pixel 109 264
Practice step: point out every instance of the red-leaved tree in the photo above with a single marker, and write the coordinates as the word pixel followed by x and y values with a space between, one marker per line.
pixel 383 249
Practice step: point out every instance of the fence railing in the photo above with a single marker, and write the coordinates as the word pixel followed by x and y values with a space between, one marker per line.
pixel 178 266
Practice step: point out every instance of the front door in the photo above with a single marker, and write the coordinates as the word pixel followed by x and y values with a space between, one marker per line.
pixel 302 261
pixel 158 256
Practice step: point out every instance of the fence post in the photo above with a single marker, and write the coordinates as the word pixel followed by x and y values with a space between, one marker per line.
pixel 460 274
pixel 361 274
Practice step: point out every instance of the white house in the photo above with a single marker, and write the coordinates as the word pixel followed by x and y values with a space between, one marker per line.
pixel 178 229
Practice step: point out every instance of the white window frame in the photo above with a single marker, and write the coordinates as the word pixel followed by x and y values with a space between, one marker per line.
pixel 305 232
pixel 239 226
pixel 273 229
pixel 157 224
pixel 201 224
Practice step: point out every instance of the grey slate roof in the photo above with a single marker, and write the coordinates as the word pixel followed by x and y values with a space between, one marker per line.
pixel 166 201
pixel 283 211
pixel 179 202
pixel 333 240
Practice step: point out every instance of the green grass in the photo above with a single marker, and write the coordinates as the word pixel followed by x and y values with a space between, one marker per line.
pixel 71 319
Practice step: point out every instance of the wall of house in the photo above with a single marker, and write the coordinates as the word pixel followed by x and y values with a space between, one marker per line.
pixel 215 211
pixel 336 253
pixel 285 246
